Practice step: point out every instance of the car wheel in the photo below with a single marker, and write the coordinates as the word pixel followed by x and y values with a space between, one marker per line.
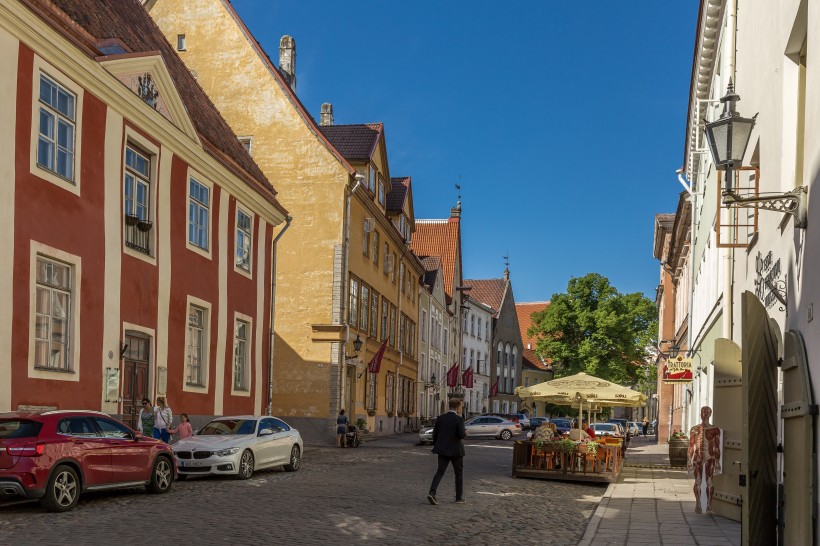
pixel 245 465
pixel 506 434
pixel 295 460
pixel 62 490
pixel 162 476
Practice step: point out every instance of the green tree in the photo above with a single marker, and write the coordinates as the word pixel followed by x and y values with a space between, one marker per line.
pixel 595 329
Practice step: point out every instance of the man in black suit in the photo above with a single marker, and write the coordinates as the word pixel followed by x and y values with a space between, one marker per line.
pixel 448 444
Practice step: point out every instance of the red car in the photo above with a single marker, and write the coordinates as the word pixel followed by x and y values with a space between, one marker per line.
pixel 55 455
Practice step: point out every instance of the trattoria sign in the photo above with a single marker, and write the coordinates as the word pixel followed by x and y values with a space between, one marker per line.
pixel 677 370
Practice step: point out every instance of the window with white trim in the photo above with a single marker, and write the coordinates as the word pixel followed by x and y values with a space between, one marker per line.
pixel 197 321
pixel 57 122
pixel 381 191
pixel 423 325
pixel 371 179
pixel 243 240
pixel 353 307
pixel 376 248
pixel 199 214
pixel 137 195
pixel 180 42
pixel 52 315
pixel 374 313
pixel 478 330
pixel 240 356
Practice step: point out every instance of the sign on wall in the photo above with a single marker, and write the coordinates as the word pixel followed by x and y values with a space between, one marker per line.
pixel 677 370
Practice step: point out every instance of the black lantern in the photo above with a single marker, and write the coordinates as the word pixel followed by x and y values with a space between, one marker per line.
pixel 433 379
pixel 357 343
pixel 728 137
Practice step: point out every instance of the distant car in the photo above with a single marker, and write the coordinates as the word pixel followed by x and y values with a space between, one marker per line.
pixel 55 456
pixel 520 418
pixel 426 431
pixel 536 422
pixel 624 425
pixel 239 446
pixel 634 429
pixel 492 426
pixel 562 425
pixel 607 429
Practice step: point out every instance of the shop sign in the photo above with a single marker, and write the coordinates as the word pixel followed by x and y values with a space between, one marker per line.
pixel 677 370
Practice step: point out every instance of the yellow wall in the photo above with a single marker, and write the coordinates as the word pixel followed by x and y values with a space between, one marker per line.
pixel 310 181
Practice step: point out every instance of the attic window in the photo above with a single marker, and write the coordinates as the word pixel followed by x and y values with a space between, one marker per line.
pixel 180 42
pixel 246 142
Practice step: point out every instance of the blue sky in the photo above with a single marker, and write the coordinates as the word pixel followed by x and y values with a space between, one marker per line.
pixel 564 120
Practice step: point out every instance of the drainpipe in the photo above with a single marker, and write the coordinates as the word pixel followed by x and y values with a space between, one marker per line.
pixel 345 283
pixel 729 55
pixel 269 409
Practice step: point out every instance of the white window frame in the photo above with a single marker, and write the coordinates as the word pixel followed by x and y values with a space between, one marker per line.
pixel 424 325
pixel 205 364
pixel 192 176
pixel 42 68
pixel 239 233
pixel 248 363
pixel 247 143
pixel 145 146
pixel 75 264
pixel 181 42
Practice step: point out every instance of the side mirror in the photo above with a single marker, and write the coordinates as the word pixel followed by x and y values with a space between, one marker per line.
pixel 265 432
pixel 138 436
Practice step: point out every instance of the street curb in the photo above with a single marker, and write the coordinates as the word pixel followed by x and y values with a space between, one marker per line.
pixel 597 516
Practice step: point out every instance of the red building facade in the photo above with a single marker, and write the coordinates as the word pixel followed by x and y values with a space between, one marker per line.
pixel 136 230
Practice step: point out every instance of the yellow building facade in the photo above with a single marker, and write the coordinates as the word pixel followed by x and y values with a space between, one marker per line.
pixel 316 371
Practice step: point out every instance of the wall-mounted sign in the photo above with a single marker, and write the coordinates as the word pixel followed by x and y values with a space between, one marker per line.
pixel 677 370
pixel 768 273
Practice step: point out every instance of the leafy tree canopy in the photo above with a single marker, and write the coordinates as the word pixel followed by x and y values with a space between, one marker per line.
pixel 595 329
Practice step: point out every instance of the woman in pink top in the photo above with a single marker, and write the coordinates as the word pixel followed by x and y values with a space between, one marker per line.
pixel 184 428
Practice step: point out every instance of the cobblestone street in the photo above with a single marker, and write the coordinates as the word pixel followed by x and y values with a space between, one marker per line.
pixel 374 494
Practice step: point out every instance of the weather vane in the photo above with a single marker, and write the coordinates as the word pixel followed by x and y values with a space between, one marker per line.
pixel 507 260
pixel 458 187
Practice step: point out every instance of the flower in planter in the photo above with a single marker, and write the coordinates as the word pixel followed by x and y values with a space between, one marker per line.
pixel 678 435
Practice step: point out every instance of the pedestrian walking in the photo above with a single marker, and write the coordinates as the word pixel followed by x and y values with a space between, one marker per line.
pixel 448 444
pixel 341 428
pixel 184 429
pixel 645 425
pixel 145 421
pixel 163 417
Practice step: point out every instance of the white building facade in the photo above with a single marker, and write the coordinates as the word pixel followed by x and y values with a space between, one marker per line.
pixel 476 333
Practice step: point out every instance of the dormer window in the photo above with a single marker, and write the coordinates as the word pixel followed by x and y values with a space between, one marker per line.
pixel 371 179
pixel 180 42
pixel 381 191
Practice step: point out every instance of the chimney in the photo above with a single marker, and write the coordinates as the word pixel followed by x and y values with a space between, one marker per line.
pixel 455 212
pixel 326 115
pixel 287 60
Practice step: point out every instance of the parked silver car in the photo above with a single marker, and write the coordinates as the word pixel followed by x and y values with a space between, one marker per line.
pixel 492 426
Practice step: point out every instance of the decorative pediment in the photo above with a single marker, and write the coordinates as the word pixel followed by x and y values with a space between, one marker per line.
pixel 147 76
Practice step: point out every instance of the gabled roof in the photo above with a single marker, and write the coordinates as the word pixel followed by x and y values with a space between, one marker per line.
pixel 280 80
pixel 488 291
pixel 439 238
pixel 524 312
pixel 93 25
pixel 355 142
pixel 397 195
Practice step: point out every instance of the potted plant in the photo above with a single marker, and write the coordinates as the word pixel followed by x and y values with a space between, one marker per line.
pixel 361 424
pixel 678 449
pixel 144 225
pixel 131 220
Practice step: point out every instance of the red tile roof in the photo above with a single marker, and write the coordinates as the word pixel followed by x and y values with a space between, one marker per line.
pixel 440 238
pixel 91 24
pixel 354 142
pixel 524 312
pixel 488 291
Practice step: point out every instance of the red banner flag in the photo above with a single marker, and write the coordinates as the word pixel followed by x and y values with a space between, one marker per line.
pixel 467 378
pixel 376 362
pixel 494 389
pixel 452 376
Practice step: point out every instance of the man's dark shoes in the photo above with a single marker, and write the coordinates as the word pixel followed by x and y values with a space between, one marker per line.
pixel 461 501
pixel 432 499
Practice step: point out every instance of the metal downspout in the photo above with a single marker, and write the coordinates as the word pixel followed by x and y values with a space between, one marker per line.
pixel 269 408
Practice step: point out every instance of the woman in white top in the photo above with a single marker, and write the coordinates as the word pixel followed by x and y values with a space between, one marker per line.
pixel 162 420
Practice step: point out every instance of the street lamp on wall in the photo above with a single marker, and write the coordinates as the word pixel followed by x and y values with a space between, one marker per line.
pixel 728 138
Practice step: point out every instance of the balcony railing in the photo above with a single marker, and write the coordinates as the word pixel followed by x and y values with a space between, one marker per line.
pixel 138 234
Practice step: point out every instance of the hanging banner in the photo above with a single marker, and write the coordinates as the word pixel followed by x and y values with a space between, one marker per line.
pixel 677 370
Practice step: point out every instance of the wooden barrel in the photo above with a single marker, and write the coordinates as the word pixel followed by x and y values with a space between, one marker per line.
pixel 678 448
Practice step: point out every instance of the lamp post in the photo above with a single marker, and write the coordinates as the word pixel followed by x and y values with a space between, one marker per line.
pixel 728 137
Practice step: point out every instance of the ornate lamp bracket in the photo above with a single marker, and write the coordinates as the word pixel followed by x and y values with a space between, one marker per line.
pixel 792 202
pixel 778 289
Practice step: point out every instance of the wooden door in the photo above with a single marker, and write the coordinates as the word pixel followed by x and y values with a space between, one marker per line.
pixel 728 415
pixel 760 360
pixel 135 378
pixel 798 511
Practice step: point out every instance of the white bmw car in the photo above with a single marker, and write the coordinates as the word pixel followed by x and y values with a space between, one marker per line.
pixel 238 446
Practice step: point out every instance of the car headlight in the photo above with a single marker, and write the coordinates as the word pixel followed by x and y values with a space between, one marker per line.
pixel 226 452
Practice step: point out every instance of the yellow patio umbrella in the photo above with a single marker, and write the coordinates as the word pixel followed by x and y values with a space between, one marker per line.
pixel 582 389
